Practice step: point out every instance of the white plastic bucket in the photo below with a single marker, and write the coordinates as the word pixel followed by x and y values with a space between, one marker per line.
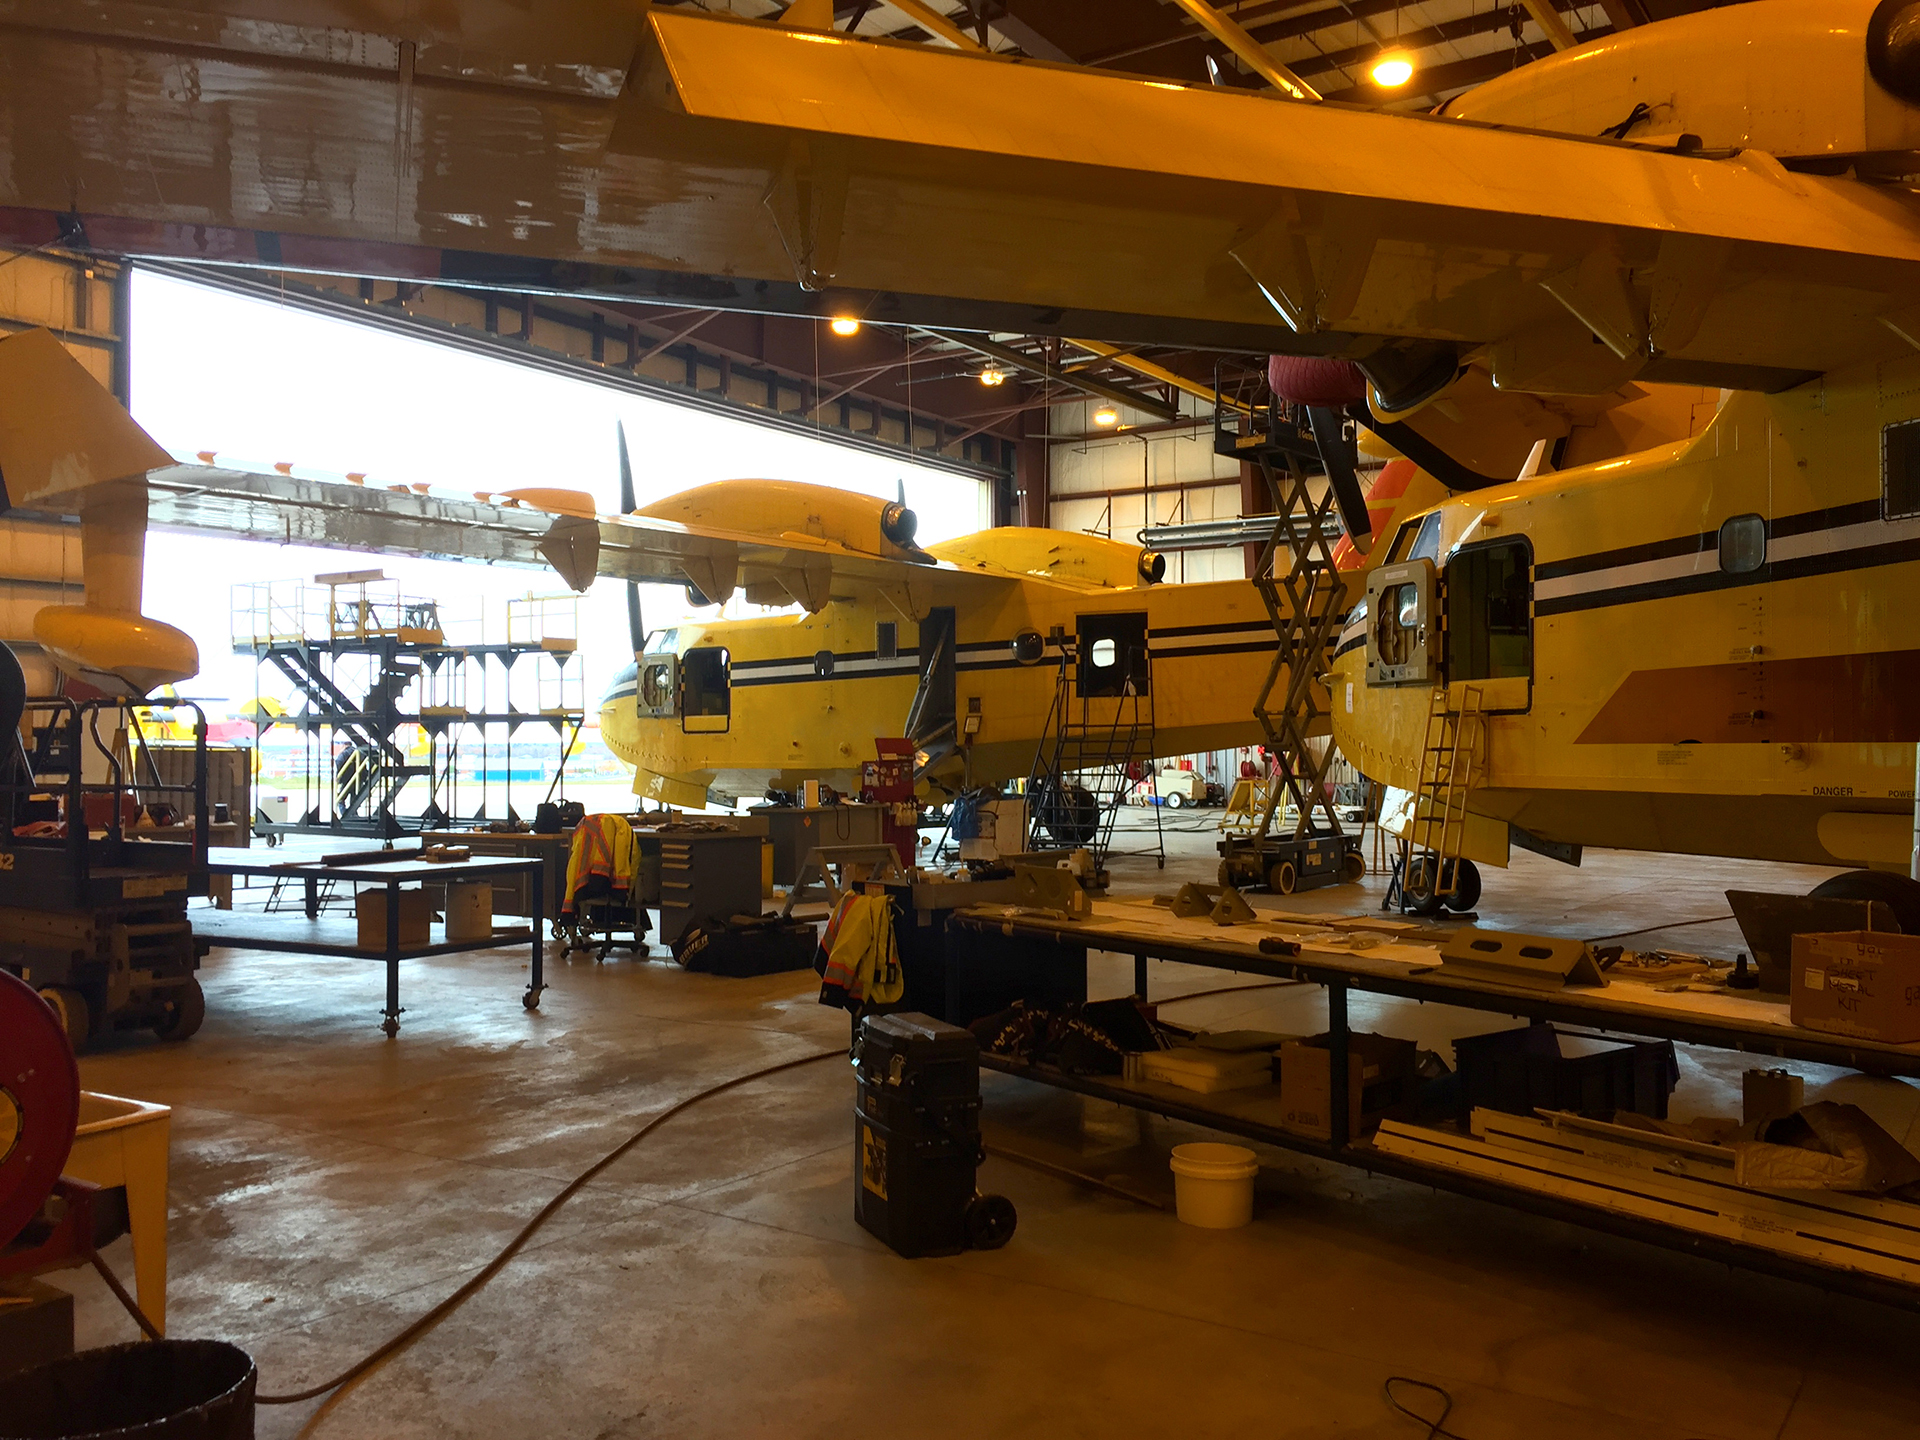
pixel 1213 1185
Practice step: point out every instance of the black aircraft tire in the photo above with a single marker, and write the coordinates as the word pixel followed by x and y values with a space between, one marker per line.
pixel 1900 893
pixel 1417 885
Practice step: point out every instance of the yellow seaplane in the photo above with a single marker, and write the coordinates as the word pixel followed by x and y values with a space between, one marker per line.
pixel 976 648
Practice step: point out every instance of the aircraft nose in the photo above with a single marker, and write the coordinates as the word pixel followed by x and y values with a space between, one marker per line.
pixel 623 684
pixel 1893 48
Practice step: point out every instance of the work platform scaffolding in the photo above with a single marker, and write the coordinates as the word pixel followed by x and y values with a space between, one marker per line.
pixel 394 703
pixel 1093 748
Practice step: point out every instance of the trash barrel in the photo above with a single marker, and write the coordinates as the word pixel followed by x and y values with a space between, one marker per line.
pixel 179 1389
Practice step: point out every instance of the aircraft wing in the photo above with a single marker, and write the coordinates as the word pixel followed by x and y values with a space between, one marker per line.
pixel 673 155
pixel 498 530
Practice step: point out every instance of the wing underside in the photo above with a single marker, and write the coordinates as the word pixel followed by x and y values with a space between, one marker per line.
pixel 773 570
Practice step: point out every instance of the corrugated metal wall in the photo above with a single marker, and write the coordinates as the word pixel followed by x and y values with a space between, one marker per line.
pixel 1116 484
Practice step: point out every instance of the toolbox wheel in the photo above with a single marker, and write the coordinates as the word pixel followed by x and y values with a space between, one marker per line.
pixel 1466 886
pixel 1354 866
pixel 186 1012
pixel 1282 878
pixel 531 1000
pixel 76 1016
pixel 990 1221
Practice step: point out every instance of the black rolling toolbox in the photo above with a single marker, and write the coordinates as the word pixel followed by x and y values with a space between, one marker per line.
pixel 917 1139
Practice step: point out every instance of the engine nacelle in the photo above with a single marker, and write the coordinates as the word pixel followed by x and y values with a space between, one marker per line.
pixel 1799 79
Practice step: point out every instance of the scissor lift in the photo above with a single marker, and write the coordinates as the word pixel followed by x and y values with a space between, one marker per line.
pixel 1302 590
pixel 93 892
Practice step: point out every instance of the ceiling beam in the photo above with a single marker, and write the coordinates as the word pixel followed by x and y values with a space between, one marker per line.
pixel 1006 354
pixel 1551 25
pixel 1249 52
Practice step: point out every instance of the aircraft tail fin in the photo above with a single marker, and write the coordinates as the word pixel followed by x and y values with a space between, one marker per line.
pixel 61 431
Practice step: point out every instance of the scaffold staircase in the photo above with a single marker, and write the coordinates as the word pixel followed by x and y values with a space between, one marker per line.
pixel 1083 765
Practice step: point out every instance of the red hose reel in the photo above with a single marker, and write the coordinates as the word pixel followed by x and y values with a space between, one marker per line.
pixel 40 1085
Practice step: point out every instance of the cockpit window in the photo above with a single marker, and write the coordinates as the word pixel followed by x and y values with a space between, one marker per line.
pixel 1417 540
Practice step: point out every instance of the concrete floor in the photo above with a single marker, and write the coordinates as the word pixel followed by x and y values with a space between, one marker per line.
pixel 329 1185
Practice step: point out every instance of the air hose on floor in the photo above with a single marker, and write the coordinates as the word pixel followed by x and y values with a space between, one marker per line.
pixel 513 1247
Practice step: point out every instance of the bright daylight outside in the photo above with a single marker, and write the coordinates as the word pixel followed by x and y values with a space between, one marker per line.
pixel 260 384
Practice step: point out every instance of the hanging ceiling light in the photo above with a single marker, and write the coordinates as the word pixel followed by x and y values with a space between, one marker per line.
pixel 993 376
pixel 1106 415
pixel 1393 69
pixel 845 325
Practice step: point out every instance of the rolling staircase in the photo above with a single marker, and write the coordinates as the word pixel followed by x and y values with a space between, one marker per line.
pixel 1082 765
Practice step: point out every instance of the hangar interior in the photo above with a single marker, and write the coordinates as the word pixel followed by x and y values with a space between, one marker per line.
pixel 1374 890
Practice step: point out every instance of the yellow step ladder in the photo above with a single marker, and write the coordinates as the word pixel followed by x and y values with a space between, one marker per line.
pixel 1452 752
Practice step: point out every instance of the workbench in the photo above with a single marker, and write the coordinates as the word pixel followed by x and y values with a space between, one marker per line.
pixel 1041 955
pixel 314 934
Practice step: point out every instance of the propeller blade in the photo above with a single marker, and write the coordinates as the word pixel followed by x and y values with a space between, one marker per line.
pixel 636 627
pixel 627 503
pixel 902 496
pixel 1336 455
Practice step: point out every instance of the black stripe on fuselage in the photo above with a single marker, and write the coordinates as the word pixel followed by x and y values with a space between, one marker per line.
pixel 1838 562
pixel 1807 522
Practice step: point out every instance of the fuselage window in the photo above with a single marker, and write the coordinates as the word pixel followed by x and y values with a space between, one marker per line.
pixel 1490 612
pixel 704 690
pixel 1743 544
pixel 886 640
pixel 1900 471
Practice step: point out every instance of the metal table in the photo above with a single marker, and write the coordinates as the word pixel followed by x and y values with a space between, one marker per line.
pixel 315 935
pixel 1047 951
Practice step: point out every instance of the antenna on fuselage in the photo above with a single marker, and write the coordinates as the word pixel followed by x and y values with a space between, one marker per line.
pixel 636 630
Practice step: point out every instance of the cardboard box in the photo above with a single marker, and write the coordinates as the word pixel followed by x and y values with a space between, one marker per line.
pixel 1864 983
pixel 1379 1083
pixel 416 919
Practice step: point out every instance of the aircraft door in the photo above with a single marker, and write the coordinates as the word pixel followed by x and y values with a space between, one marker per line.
pixel 1114 659
pixel 656 690
pixel 1403 631
pixel 1489 601
pixel 706 690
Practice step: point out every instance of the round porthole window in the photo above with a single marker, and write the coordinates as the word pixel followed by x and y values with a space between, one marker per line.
pixel 823 662
pixel 1028 647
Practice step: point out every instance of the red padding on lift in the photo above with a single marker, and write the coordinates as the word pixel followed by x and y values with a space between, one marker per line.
pixel 37 1069
pixel 1315 380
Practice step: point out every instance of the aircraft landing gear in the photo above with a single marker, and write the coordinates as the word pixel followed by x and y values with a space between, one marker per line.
pixel 1421 880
